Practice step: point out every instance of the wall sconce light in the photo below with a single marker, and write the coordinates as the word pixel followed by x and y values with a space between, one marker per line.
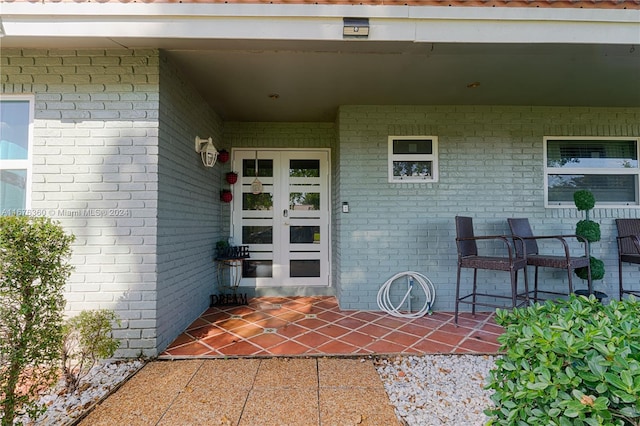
pixel 207 151
pixel 355 27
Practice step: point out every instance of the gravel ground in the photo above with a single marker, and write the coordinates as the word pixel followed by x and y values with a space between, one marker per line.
pixel 64 408
pixel 435 390
pixel 426 390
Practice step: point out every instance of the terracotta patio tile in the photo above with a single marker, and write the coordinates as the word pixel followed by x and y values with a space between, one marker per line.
pixel 327 303
pixel 231 323
pixel 199 322
pixel 480 346
pixel 415 329
pixel 311 323
pixel 291 330
pixel 358 339
pixel 390 322
pixel 329 316
pixel 493 328
pixel 289 348
pixel 239 348
pixel 460 329
pixel 215 317
pixel 432 347
pixel 272 322
pixel 385 347
pixel 290 316
pixel 351 323
pixel 401 338
pixel 313 339
pixel 485 337
pixel 221 340
pixel 374 330
pixel 367 316
pixel 448 338
pixel 335 347
pixel 267 340
pixel 333 330
pixel 194 348
pixel 209 330
pixel 181 340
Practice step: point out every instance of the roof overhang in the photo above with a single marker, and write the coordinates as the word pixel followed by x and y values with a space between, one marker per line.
pixel 238 54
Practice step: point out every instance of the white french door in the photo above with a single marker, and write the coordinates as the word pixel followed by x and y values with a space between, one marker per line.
pixel 281 211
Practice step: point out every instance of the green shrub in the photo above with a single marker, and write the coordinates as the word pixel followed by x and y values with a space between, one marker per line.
pixel 33 272
pixel 597 270
pixel 574 362
pixel 584 199
pixel 589 230
pixel 87 339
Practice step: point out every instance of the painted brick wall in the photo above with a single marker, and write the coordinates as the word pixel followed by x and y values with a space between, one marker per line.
pixel 95 169
pixel 491 168
pixel 189 208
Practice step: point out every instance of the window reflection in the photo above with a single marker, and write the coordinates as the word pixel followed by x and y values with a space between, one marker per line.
pixel 304 201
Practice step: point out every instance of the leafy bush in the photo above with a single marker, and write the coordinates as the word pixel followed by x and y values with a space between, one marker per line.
pixel 87 339
pixel 33 272
pixel 573 362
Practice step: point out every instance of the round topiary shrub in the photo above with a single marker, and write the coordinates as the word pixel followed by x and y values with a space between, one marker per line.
pixel 589 230
pixel 597 270
pixel 584 199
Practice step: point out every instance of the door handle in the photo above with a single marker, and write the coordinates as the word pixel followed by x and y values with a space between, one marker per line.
pixel 285 213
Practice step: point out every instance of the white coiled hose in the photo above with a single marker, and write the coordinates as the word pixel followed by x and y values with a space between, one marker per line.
pixel 384 300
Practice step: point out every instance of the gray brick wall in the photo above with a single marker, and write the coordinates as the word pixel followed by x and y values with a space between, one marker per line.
pixel 491 168
pixel 95 169
pixel 190 213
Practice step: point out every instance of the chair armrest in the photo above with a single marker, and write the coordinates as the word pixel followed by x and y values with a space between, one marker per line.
pixel 562 239
pixel 505 239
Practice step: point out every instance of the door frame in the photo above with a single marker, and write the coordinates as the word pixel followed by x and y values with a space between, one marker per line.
pixel 236 190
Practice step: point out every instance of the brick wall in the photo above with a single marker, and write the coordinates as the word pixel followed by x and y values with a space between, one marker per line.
pixel 189 207
pixel 491 168
pixel 95 169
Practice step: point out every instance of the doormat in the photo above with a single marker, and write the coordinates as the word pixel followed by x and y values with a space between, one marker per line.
pixel 228 299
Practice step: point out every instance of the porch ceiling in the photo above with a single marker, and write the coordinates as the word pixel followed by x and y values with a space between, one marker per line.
pixel 308 81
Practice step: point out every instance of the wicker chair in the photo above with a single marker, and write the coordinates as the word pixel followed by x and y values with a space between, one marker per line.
pixel 468 257
pixel 522 229
pixel 628 248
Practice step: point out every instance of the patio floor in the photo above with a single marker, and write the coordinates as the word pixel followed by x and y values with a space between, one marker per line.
pixel 315 326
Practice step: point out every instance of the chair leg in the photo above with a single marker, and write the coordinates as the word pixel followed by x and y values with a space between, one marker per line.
pixel 535 286
pixel 457 298
pixel 514 288
pixel 475 289
pixel 620 278
pixel 526 286
pixel 569 271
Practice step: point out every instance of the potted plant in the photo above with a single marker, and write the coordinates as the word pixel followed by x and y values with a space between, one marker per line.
pixel 226 196
pixel 232 177
pixel 590 231
pixel 223 156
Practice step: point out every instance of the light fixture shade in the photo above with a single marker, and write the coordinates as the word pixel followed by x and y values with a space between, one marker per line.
pixel 207 150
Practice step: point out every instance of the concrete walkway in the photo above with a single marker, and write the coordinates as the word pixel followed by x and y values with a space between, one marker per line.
pixel 250 392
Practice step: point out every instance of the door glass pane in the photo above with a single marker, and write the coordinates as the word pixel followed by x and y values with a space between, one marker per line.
pixel 304 201
pixel 304 168
pixel 620 189
pixel 592 154
pixel 304 268
pixel 257 235
pixel 14 130
pixel 262 201
pixel 265 168
pixel 304 234
pixel 412 168
pixel 13 193
pixel 257 269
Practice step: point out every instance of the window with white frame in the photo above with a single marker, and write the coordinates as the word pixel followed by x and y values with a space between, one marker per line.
pixel 606 166
pixel 413 159
pixel 16 118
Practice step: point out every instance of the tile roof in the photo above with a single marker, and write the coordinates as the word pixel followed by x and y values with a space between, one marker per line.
pixel 572 4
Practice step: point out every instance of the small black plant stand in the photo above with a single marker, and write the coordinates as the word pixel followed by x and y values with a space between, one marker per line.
pixel 231 258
